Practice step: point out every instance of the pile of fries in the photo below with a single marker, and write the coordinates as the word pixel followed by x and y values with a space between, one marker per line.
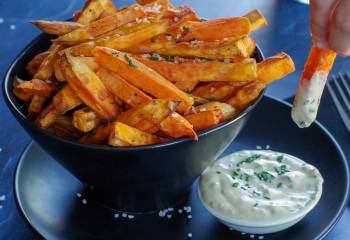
pixel 145 74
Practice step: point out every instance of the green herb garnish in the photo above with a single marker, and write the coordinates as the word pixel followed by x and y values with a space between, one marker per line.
pixel 267 197
pixel 130 62
pixel 249 159
pixel 115 53
pixel 154 58
pixel 279 185
pixel 280 158
pixel 281 170
pixel 168 58
pixel 256 204
pixel 218 172
pixel 244 188
pixel 265 176
pixel 235 185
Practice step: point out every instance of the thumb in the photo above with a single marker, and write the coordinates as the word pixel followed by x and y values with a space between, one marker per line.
pixel 339 37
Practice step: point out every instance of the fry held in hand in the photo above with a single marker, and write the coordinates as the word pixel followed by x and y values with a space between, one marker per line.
pixel 311 85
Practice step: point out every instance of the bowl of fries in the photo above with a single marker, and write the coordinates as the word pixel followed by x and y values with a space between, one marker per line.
pixel 137 102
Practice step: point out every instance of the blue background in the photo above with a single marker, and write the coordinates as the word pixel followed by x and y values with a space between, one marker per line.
pixel 288 31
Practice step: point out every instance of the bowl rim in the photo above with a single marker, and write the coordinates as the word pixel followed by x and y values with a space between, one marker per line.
pixel 8 96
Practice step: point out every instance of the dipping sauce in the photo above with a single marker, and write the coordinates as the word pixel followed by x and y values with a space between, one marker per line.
pixel 260 185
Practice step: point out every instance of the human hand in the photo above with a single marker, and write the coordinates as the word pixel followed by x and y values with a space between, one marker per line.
pixel 330 25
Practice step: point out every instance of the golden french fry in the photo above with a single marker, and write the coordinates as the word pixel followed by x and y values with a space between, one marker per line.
pixel 57 71
pixel 141 76
pixel 56 27
pixel 177 126
pixel 229 48
pixel 36 104
pixel 88 87
pixel 274 68
pixel 97 136
pixel 33 66
pixel 257 20
pixel 66 100
pixel 123 135
pixel 122 89
pixel 217 91
pixel 204 71
pixel 47 117
pixel 108 9
pixel 85 120
pixel 217 29
pixel 206 119
pixel 147 117
pixel 35 87
pixel 99 27
pixel 46 68
pixel 64 128
pixel 92 10
pixel 227 111
pixel 246 95
pixel 187 86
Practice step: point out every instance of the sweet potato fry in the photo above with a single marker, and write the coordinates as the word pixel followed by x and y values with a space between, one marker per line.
pixel 177 126
pixel 134 38
pixel 144 2
pixel 122 89
pixel 204 120
pixel 91 11
pixel 97 136
pixel 147 117
pixel 35 87
pixel 227 111
pixel 45 70
pixel 216 91
pixel 229 48
pixel 85 120
pixel 57 71
pixel 123 135
pixel 204 71
pixel 64 128
pixel 56 27
pixel 101 26
pixel 36 104
pixel 90 62
pixel 312 82
pixel 108 9
pixel 217 29
pixel 47 117
pixel 140 75
pixel 246 95
pixel 274 68
pixel 66 100
pixel 88 87
pixel 81 50
pixel 257 20
pixel 33 66
pixel 186 86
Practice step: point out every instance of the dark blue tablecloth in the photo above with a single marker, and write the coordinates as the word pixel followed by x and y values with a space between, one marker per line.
pixel 288 31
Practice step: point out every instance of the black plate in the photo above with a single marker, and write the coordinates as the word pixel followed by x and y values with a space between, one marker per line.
pixel 46 192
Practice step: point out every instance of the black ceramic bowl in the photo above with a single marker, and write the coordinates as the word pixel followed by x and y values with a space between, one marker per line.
pixel 135 178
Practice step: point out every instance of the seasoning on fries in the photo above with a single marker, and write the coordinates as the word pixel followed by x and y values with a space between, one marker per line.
pixel 145 74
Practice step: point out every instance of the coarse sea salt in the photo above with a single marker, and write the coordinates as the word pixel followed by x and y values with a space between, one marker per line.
pixel 179 211
pixel 12 27
pixel 131 216
pixel 189 216
pixel 1 206
pixel 261 237
pixel 116 215
pixel 258 147
pixel 84 201
pixel 124 215
pixel 2 197
pixel 1 20
pixel 189 235
pixel 251 236
pixel 0 149
pixel 267 147
pixel 79 195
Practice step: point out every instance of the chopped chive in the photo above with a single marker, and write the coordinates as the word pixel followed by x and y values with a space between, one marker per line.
pixel 256 204
pixel 267 197
pixel 154 58
pixel 281 170
pixel 280 158
pixel 244 188
pixel 218 172
pixel 279 185
pixel 130 62
pixel 235 185
pixel 249 159
pixel 265 176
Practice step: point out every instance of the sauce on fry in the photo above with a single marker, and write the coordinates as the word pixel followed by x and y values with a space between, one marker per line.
pixel 260 185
